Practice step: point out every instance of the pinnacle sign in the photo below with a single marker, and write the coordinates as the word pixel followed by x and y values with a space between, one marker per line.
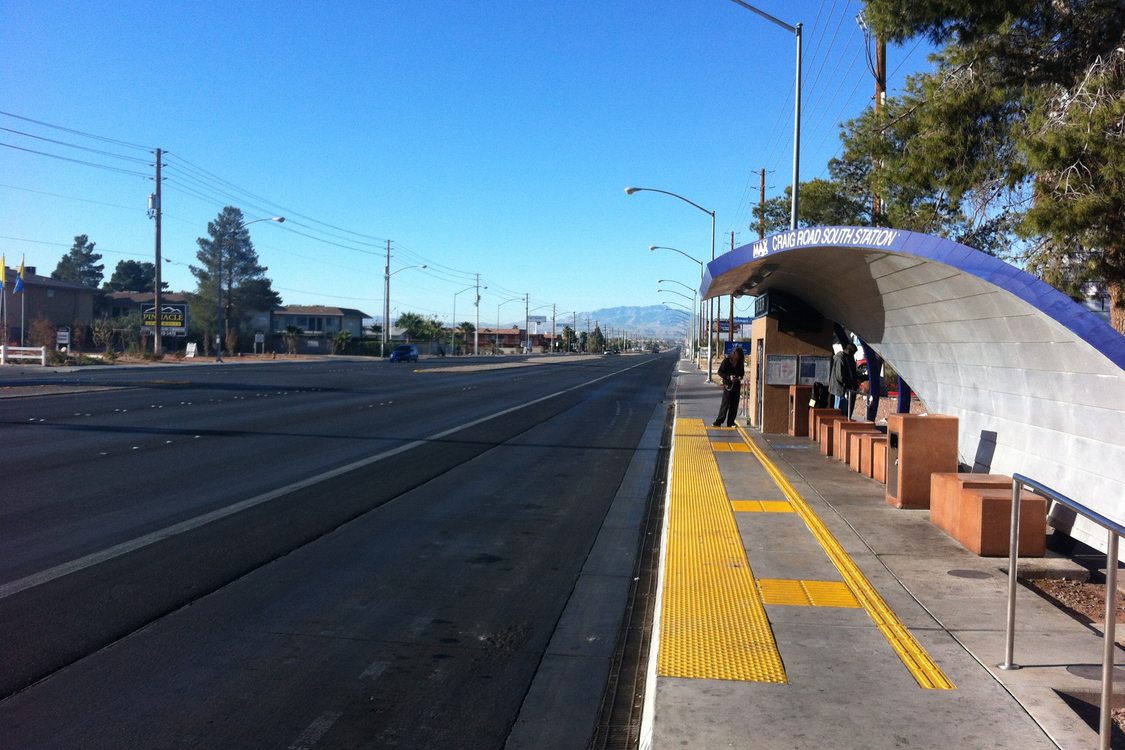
pixel 173 319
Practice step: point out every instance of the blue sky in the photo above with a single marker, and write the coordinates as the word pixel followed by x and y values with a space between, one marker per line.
pixel 491 137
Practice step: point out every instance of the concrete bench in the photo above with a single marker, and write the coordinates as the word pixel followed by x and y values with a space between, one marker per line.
pixel 945 495
pixel 879 459
pixel 827 431
pixel 869 442
pixel 815 416
pixel 984 522
pixel 842 441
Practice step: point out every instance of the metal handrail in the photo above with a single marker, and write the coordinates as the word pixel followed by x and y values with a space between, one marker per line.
pixel 1115 531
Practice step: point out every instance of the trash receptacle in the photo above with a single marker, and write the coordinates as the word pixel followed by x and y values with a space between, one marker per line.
pixel 918 445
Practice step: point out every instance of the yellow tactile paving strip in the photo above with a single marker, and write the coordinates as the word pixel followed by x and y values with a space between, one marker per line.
pixel 913 655
pixel 713 622
pixel 806 593
pixel 761 506
pixel 730 447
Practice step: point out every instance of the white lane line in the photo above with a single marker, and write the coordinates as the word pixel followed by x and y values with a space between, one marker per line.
pixel 95 558
pixel 374 670
pixel 315 731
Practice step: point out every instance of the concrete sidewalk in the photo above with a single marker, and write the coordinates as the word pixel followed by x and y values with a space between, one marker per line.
pixel 874 628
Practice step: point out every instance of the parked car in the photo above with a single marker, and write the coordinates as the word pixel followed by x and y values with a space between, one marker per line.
pixel 405 353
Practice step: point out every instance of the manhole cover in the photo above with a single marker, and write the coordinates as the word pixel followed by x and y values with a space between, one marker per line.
pixel 970 574
pixel 1094 671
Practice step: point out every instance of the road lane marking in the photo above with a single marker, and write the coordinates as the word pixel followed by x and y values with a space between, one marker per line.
pixel 95 558
pixel 315 731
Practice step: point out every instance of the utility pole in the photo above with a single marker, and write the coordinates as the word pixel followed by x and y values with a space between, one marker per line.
pixel 762 205
pixel 386 302
pixel 880 98
pixel 476 330
pixel 527 322
pixel 156 290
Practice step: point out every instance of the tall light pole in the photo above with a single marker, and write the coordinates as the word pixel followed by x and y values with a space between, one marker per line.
pixel 219 279
pixel 453 325
pixel 796 31
pixel 692 298
pixel 387 274
pixel 711 303
pixel 700 263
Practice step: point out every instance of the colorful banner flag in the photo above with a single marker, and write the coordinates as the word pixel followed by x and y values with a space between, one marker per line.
pixel 3 273
pixel 19 278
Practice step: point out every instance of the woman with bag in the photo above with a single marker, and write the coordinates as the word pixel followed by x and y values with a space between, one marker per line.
pixel 731 370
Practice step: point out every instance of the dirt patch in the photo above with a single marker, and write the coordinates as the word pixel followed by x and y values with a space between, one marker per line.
pixel 1082 599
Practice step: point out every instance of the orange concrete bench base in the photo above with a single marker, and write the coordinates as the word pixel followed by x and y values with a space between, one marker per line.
pixel 945 495
pixel 985 522
pixel 846 441
pixel 815 417
pixel 827 432
pixel 879 459
pixel 868 444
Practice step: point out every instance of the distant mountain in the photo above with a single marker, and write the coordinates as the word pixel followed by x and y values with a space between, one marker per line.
pixel 658 321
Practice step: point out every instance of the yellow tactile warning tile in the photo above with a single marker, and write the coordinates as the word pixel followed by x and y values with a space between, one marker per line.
pixel 713 622
pixel 806 593
pixel 720 447
pixel 761 506
pixel 913 655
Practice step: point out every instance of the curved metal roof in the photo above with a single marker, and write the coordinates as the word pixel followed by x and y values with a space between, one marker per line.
pixel 1037 381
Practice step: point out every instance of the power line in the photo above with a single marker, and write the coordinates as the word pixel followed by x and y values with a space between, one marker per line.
pixel 75 145
pixel 78 132
pixel 78 161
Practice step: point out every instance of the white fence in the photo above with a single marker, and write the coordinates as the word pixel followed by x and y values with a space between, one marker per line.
pixel 22 353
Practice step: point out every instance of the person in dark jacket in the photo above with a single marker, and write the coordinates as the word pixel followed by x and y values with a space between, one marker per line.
pixel 731 370
pixel 844 379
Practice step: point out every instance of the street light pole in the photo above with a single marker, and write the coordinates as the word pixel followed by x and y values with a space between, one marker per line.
pixel 453 325
pixel 796 31
pixel 387 274
pixel 219 279
pixel 700 263
pixel 694 303
pixel 711 304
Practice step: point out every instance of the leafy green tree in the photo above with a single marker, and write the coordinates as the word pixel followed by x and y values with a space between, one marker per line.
pixel 340 341
pixel 823 203
pixel 292 335
pixel 245 288
pixel 419 328
pixel 597 341
pixel 133 276
pixel 80 265
pixel 1019 128
pixel 466 330
pixel 568 338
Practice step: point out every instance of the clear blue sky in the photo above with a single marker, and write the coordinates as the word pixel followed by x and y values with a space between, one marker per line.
pixel 492 137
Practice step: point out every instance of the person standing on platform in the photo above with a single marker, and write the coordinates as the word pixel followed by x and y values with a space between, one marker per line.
pixel 731 370
pixel 843 379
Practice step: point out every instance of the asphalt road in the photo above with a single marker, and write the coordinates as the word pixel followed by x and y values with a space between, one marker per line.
pixel 333 554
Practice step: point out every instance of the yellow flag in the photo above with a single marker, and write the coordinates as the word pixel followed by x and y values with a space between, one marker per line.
pixel 3 273
pixel 19 278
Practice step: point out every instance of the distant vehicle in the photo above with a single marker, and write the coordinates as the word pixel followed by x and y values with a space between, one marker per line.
pixel 405 353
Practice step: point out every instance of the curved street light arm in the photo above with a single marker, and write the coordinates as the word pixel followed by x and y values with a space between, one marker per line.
pixel 673 281
pixel 673 291
pixel 631 190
